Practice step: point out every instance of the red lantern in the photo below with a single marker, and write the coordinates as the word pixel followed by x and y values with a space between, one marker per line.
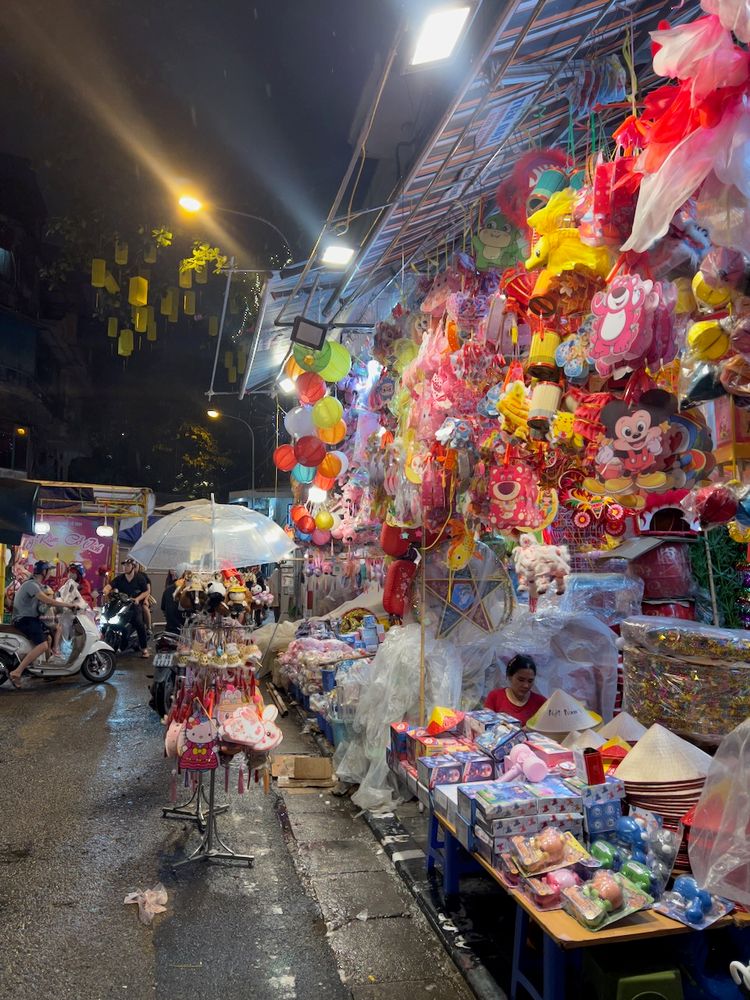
pixel 298 511
pixel 309 451
pixel 398 582
pixel 284 458
pixel 306 524
pixel 310 388
pixel 394 541
pixel 323 482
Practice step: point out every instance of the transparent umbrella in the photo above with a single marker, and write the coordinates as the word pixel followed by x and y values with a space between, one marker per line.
pixel 211 536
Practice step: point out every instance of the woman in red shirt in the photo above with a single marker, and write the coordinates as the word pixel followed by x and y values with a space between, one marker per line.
pixel 517 699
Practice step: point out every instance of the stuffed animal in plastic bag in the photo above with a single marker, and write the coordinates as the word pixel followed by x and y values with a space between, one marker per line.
pixel 513 491
pixel 559 247
pixel 538 566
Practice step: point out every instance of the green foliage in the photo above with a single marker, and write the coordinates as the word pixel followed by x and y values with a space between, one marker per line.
pixel 726 556
pixel 201 466
pixel 162 236
pixel 202 256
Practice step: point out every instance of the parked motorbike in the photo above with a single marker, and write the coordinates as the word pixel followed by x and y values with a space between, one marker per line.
pixel 117 623
pixel 89 654
pixel 165 672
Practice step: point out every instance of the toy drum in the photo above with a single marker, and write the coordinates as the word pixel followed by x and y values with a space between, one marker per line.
pixel 544 404
pixel 541 362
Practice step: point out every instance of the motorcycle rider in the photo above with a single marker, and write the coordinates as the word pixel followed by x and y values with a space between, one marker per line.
pixel 132 584
pixel 77 574
pixel 27 617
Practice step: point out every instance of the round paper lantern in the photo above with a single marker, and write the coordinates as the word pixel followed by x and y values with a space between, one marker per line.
pixel 312 361
pixel 284 458
pixel 298 421
pixel 332 435
pixel 306 525
pixel 303 536
pixel 327 412
pixel 338 365
pixel 330 466
pixel 309 451
pixel 321 537
pixel 324 520
pixel 292 369
pixel 310 387
pixel 342 458
pixel 323 482
pixel 303 473
pixel 297 511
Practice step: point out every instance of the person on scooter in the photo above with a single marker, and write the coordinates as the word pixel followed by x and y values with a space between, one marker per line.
pixel 77 574
pixel 132 584
pixel 27 617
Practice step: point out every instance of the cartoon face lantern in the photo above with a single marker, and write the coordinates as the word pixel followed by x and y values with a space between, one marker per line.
pixel 632 324
pixel 497 244
pixel 199 753
pixel 513 491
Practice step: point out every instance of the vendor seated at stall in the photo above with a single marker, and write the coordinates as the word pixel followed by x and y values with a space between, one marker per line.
pixel 517 698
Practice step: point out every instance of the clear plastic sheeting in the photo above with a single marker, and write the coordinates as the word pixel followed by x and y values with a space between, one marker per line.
pixel 692 678
pixel 718 846
pixel 611 597
pixel 576 653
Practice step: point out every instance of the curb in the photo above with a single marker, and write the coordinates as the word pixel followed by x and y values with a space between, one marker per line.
pixel 410 862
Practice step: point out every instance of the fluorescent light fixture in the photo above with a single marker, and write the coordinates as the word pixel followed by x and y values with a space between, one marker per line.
pixel 286 384
pixel 42 528
pixel 190 204
pixel 440 33
pixel 105 531
pixel 337 255
pixel 316 495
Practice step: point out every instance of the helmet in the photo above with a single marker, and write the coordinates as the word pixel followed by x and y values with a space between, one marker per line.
pixel 78 568
pixel 41 567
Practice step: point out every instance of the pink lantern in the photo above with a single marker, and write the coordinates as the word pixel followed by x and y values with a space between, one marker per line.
pixel 320 537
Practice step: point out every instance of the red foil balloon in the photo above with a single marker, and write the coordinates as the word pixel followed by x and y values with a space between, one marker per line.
pixel 310 451
pixel 310 388
pixel 284 458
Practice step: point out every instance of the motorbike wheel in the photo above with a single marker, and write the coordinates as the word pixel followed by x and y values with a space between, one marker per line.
pixel 7 663
pixel 112 637
pixel 162 695
pixel 98 667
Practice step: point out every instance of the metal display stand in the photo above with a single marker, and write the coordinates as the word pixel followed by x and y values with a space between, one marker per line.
pixel 206 851
pixel 195 814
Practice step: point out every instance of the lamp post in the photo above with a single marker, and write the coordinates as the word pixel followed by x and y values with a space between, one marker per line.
pixel 216 415
pixel 192 204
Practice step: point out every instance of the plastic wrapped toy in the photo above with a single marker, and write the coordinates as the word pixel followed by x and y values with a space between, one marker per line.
pixel 607 898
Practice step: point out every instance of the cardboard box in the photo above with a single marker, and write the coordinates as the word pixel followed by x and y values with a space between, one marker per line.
pixel 467 794
pixel 551 752
pixel 399 739
pixel 475 765
pixel 423 794
pixel 464 833
pixel 504 800
pixel 601 817
pixel 439 770
pixel 299 767
pixel 478 722
pixel 501 829
pixel 568 821
pixel 553 795
pixel 499 741
pixel 422 745
pixel 445 802
pixel 411 778
pixel 411 744
pixel 612 789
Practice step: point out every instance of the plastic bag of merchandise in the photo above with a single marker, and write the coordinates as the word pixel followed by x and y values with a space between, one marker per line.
pixel 718 846
pixel 611 597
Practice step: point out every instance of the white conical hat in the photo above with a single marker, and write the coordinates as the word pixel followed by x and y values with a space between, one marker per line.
pixel 584 740
pixel 661 756
pixel 623 726
pixel 561 713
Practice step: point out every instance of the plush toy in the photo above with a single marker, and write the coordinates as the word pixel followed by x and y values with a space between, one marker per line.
pixel 513 407
pixel 445 284
pixel 498 243
pixel 538 566
pixel 559 247
pixel 256 732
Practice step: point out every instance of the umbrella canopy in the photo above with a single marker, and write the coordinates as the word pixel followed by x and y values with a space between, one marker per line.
pixel 211 536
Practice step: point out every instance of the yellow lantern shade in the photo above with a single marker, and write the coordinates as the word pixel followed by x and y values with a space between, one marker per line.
pixel 232 375
pixel 331 466
pixel 165 307
pixel 98 272
pixel 327 412
pixel 201 275
pixel 213 326
pixel 292 369
pixel 121 253
pixel 140 319
pixel 541 362
pixel 149 254
pixel 186 279
pixel 241 359
pixel 332 435
pixel 151 328
pixel 324 520
pixel 110 284
pixel 338 365
pixel 228 359
pixel 138 291
pixel 112 326
pixel 188 303
pixel 125 343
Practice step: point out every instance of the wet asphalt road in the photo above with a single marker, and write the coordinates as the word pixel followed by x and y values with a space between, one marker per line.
pixel 83 783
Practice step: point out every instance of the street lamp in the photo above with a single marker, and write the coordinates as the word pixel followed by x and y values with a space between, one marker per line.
pixel 216 415
pixel 192 204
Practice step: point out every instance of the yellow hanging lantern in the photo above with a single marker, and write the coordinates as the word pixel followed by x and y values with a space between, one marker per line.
pixel 292 369
pixel 140 319
pixel 110 284
pixel 228 359
pixel 112 327
pixel 188 303
pixel 186 279
pixel 327 412
pixel 98 272
pixel 232 375
pixel 125 343
pixel 338 365
pixel 201 275
pixel 138 291
pixel 324 520
pixel 541 362
pixel 175 313
pixel 149 254
pixel 151 328
pixel 241 359
pixel 121 253
pixel 213 326
pixel 165 306
pixel 332 435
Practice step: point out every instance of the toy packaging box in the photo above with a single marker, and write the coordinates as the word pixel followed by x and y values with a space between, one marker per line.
pixel 467 794
pixel 553 795
pixel 567 822
pixel 553 754
pixel 423 794
pixel 445 802
pixel 475 765
pixel 499 741
pixel 478 722
pixel 504 801
pixel 409 773
pixel 399 739
pixel 464 833
pixel 439 770
pixel 612 789
pixel 601 817
pixel 499 831
pixel 412 735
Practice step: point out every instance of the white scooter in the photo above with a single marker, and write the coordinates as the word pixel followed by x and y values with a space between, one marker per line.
pixel 91 655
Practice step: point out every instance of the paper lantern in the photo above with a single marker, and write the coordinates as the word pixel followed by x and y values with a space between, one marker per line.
pixel 303 536
pixel 303 473
pixel 98 272
pixel 312 361
pixel 201 275
pixel 343 459
pixel 188 303
pixel 151 327
pixel 320 537
pixel 121 253
pixel 125 343
pixel 332 435
pixel 213 326
pixel 140 319
pixel 186 279
pixel 323 482
pixel 232 375
pixel 138 291
pixel 296 512
pixel 310 451
pixel 284 458
pixel 165 306
pixel 306 525
pixel 310 387
pixel 110 284
pixel 330 467
pixel 398 581
pixel 241 359
pixel 324 520
pixel 338 366
pixel 327 412
pixel 112 327
pixel 228 359
pixel 292 369
pixel 149 254
pixel 298 421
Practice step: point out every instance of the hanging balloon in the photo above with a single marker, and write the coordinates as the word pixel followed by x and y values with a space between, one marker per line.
pixel 298 510
pixel 306 525
pixel 298 421
pixel 284 458
pixel 339 364
pixel 320 537
pixel 332 435
pixel 323 482
pixel 312 361
pixel 324 520
pixel 303 536
pixel 310 387
pixel 303 473
pixel 292 369
pixel 327 412
pixel 330 467
pixel 310 451
pixel 343 459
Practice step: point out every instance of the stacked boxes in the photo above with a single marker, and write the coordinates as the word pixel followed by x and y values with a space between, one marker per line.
pixel 477 723
pixel 602 804
pixel 498 741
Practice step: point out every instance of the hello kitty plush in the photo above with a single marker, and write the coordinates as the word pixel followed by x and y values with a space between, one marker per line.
pixel 200 741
